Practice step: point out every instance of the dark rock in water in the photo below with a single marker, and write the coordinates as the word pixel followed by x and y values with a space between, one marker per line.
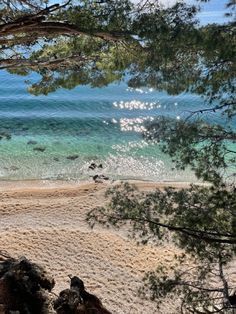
pixel 56 159
pixel 95 177
pixel 103 177
pixel 72 157
pixel 31 142
pixel 98 178
pixel 39 149
pixel 4 135
pixel 92 166
pixel 14 168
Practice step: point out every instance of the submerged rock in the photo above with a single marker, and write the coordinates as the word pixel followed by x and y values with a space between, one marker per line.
pixel 25 129
pixel 31 142
pixel 4 135
pixel 72 157
pixel 14 168
pixel 39 149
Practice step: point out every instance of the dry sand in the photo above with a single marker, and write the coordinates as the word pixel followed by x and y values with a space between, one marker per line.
pixel 45 222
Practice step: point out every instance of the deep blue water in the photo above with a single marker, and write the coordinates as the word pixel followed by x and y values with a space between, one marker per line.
pixel 92 125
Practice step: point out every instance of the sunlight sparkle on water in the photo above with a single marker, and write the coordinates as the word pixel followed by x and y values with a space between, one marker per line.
pixel 142 167
pixel 132 145
pixel 136 104
pixel 140 90
pixel 134 124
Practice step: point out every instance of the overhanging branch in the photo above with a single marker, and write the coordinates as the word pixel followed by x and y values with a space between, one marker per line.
pixel 207 236
pixel 26 63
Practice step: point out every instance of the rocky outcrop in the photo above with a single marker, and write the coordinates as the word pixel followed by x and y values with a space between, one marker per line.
pixel 25 289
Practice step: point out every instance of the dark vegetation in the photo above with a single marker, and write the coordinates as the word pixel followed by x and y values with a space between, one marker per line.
pixel 99 42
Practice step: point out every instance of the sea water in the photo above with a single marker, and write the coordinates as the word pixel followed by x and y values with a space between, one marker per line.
pixel 59 135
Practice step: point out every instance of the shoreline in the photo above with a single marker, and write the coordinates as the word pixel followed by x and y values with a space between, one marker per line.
pixel 17 185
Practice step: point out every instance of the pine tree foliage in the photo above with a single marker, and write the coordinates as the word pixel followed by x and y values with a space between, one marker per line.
pixel 98 42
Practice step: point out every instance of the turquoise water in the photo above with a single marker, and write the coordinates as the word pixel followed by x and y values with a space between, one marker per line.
pixel 59 135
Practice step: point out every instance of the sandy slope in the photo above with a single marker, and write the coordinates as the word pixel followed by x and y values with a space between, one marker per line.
pixel 46 223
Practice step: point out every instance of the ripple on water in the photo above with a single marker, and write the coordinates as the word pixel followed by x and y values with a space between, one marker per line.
pixel 58 136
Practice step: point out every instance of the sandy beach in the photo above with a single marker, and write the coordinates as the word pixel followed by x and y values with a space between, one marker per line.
pixel 45 221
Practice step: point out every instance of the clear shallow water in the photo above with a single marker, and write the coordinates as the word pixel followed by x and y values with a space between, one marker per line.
pixel 59 135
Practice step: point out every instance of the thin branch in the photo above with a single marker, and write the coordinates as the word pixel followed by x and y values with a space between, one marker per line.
pixel 213 109
pixel 198 234
pixel 197 287
pixel 35 24
pixel 18 63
